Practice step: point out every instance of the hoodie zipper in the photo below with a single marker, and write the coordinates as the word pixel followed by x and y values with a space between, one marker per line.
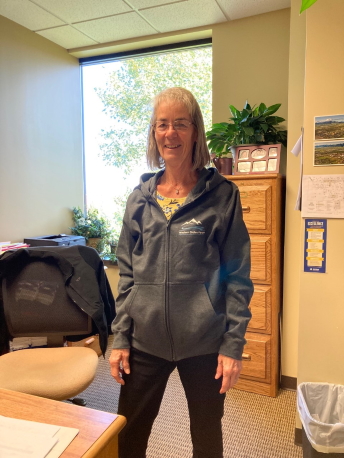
pixel 167 263
pixel 167 250
pixel 167 302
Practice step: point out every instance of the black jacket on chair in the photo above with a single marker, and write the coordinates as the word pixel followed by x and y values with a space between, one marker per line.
pixel 93 294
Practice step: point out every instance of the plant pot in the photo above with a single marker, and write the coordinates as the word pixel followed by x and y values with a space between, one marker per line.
pixel 113 248
pixel 96 243
pixel 223 165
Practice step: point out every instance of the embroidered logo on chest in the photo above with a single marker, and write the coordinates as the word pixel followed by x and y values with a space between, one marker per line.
pixel 192 227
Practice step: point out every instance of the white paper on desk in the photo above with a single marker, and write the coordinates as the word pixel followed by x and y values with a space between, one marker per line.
pixel 20 438
pixel 22 445
pixel 65 436
pixel 23 439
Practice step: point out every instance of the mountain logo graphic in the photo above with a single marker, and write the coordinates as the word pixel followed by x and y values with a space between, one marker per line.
pixel 192 227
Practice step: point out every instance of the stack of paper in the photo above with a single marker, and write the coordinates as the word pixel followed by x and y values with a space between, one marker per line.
pixel 6 246
pixel 19 343
pixel 23 439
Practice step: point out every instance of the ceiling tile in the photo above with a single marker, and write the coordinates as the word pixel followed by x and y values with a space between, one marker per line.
pixel 67 37
pixel 82 10
pixel 116 27
pixel 79 23
pixel 184 15
pixel 27 14
pixel 139 4
pixel 237 9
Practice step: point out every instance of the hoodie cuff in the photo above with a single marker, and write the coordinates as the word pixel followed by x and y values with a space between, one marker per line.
pixel 232 349
pixel 120 341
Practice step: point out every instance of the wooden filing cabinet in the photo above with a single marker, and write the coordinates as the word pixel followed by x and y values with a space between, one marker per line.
pixel 262 199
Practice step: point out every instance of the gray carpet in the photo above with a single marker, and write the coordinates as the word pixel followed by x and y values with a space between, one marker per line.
pixel 254 426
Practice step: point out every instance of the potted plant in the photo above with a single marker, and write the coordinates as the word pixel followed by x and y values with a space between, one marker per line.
pixel 117 222
pixel 93 226
pixel 252 125
pixel 112 247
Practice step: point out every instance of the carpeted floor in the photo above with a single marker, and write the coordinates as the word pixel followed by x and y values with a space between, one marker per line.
pixel 254 426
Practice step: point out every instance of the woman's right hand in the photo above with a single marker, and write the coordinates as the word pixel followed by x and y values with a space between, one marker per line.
pixel 119 362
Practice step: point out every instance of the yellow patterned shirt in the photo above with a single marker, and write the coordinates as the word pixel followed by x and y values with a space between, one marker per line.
pixel 169 205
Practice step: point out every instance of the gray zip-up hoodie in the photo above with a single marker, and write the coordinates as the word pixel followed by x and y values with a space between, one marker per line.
pixel 184 286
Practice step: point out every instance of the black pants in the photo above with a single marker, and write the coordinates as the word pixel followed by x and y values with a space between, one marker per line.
pixel 141 396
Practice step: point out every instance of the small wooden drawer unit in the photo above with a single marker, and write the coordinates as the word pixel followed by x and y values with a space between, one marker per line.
pixel 262 199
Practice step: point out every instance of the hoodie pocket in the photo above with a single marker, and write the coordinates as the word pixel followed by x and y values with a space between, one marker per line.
pixel 193 320
pixel 147 310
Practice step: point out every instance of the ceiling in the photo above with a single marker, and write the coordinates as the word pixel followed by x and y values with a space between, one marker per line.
pixel 88 23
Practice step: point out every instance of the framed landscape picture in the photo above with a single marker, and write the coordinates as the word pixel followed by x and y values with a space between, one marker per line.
pixel 329 153
pixel 329 140
pixel 329 127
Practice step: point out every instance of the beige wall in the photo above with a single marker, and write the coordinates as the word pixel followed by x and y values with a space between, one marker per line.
pixel 321 318
pixel 40 131
pixel 313 341
pixel 250 62
pixel 293 239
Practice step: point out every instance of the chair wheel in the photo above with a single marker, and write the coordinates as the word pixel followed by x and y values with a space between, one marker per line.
pixel 78 401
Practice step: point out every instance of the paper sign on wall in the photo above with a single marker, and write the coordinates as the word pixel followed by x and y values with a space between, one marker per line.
pixel 323 196
pixel 315 245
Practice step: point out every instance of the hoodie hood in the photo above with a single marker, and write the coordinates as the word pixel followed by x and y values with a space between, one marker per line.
pixel 208 180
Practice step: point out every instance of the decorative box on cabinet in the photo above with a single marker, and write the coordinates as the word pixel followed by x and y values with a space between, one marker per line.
pixel 262 199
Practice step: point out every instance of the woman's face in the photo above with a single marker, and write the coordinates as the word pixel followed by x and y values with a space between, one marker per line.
pixel 175 146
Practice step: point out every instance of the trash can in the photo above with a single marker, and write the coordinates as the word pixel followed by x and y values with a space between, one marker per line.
pixel 321 409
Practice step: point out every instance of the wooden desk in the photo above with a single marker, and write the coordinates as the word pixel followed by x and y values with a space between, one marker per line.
pixel 98 431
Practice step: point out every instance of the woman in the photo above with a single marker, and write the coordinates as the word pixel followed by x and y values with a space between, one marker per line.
pixel 184 289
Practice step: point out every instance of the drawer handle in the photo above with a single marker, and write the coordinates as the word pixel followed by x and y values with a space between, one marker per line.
pixel 246 357
pixel 246 209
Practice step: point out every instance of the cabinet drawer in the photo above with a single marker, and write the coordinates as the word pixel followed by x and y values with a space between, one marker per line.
pixel 261 259
pixel 256 205
pixel 260 307
pixel 256 357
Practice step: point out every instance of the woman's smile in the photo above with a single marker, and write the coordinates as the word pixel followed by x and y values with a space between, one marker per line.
pixel 172 143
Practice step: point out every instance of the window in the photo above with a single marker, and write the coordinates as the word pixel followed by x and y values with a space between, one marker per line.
pixel 117 98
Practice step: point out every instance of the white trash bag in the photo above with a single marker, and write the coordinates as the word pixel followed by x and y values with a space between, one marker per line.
pixel 321 409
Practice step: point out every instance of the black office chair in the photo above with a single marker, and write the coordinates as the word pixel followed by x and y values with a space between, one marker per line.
pixel 36 303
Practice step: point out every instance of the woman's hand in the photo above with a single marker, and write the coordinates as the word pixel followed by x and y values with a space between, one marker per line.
pixel 119 362
pixel 229 369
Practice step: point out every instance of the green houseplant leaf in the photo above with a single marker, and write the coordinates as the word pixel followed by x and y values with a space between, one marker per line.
pixel 255 125
pixel 90 225
pixel 305 4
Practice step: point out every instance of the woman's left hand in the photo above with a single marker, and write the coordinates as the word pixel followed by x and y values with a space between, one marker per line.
pixel 229 369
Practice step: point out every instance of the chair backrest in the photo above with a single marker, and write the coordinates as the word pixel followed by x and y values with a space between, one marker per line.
pixel 36 303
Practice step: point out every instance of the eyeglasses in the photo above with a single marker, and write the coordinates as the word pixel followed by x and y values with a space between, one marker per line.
pixel 162 126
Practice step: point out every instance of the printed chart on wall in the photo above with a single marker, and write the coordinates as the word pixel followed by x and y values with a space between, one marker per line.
pixel 322 196
pixel 315 245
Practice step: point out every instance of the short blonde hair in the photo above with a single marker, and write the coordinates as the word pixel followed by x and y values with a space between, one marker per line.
pixel 200 156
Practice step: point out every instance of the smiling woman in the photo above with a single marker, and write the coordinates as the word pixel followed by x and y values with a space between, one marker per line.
pixel 117 95
pixel 184 289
